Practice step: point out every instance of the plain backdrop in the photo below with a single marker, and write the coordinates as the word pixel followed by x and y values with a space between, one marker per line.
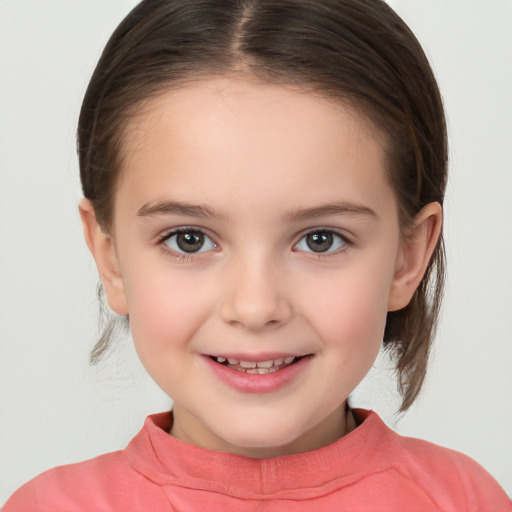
pixel 56 409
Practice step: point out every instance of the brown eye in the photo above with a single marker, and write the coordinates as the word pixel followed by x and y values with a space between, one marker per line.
pixel 189 242
pixel 321 241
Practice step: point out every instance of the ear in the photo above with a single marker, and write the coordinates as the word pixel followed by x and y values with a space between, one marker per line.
pixel 414 255
pixel 102 248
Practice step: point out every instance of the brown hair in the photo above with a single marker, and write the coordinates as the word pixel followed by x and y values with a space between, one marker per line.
pixel 359 51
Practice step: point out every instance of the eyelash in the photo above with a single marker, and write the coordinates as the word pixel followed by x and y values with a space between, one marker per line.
pixel 184 256
pixel 346 243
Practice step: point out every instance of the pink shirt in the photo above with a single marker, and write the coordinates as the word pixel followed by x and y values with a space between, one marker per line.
pixel 372 468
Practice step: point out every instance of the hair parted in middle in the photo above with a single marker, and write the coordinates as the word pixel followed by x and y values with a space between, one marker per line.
pixel 358 52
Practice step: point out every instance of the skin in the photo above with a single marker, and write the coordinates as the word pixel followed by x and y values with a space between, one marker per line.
pixel 257 157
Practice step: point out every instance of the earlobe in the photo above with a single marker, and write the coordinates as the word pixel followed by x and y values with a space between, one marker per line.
pixel 103 251
pixel 415 253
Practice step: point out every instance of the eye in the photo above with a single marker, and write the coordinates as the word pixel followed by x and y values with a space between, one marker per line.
pixel 321 241
pixel 188 241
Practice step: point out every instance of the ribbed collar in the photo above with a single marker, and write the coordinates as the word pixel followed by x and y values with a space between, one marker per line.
pixel 167 461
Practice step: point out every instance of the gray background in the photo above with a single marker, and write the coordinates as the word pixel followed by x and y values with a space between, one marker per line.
pixel 55 409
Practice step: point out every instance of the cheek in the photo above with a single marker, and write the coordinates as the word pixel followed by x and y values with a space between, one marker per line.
pixel 165 310
pixel 350 311
pixel 352 328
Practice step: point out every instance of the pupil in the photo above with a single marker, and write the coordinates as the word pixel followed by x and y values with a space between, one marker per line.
pixel 319 242
pixel 190 241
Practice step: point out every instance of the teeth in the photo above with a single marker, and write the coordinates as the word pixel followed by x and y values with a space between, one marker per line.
pixel 261 371
pixel 247 364
pixel 261 367
pixel 265 364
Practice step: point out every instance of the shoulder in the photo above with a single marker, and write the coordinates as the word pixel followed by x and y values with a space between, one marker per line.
pixel 111 482
pixel 70 487
pixel 451 472
pixel 451 479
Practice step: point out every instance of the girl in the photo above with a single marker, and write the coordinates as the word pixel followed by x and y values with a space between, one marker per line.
pixel 263 188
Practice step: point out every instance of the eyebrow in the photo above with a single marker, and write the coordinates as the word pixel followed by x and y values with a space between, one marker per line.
pixel 203 211
pixel 335 208
pixel 178 208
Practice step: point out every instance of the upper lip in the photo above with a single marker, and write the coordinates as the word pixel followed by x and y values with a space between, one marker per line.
pixel 257 357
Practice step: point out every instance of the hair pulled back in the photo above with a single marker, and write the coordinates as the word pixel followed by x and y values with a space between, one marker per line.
pixel 359 51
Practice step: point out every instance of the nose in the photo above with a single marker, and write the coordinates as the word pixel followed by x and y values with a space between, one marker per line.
pixel 255 296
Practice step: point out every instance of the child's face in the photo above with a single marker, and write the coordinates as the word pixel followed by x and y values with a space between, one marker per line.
pixel 288 247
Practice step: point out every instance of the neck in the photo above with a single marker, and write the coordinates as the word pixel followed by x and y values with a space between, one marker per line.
pixel 335 426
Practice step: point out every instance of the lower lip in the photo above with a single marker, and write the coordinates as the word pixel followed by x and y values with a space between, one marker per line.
pixel 256 383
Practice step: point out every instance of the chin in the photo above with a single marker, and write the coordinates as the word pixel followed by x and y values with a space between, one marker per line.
pixel 262 440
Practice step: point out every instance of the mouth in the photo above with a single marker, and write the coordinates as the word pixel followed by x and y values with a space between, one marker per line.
pixel 257 367
pixel 258 374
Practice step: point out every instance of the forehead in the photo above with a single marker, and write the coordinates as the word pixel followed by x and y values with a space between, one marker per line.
pixel 226 135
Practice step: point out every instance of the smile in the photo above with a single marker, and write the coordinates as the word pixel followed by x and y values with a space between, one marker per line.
pixel 268 374
pixel 260 367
